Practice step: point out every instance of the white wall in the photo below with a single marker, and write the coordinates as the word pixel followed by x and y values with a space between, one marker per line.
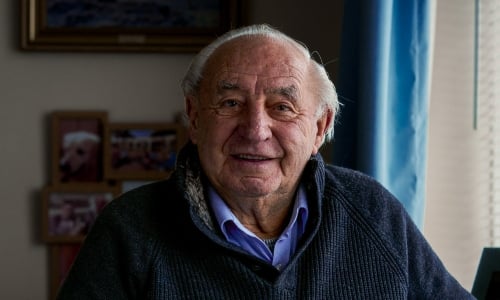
pixel 131 87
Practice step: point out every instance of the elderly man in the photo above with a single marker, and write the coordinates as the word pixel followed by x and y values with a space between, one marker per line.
pixel 252 211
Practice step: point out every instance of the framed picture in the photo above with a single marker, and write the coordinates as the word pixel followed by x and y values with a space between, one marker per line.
pixel 142 151
pixel 69 211
pixel 132 25
pixel 77 146
pixel 61 259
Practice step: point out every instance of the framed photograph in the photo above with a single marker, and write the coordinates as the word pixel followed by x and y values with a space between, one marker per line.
pixel 69 211
pixel 132 25
pixel 61 259
pixel 142 151
pixel 77 146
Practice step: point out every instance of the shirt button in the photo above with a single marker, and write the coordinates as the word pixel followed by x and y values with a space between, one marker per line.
pixel 278 266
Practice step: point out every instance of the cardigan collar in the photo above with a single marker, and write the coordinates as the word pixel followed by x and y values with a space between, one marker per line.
pixel 192 181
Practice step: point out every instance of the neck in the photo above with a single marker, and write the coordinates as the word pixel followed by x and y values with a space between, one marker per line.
pixel 265 217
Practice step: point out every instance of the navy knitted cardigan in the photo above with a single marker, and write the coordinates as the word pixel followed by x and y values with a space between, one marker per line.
pixel 159 242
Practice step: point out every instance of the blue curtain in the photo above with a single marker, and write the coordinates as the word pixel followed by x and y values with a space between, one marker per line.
pixel 383 83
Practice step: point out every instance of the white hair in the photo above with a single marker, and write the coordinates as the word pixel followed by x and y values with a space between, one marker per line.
pixel 323 87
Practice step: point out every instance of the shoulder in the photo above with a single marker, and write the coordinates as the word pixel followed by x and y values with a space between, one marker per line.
pixel 372 209
pixel 139 200
pixel 350 178
pixel 141 210
pixel 144 196
pixel 123 242
pixel 375 218
pixel 366 199
pixel 359 189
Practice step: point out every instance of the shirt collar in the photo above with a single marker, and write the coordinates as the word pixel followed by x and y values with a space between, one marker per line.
pixel 223 213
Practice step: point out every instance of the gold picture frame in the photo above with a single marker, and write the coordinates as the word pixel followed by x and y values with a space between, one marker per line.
pixel 136 25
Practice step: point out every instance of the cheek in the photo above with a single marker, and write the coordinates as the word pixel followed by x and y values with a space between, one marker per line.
pixel 300 137
pixel 201 130
pixel 213 131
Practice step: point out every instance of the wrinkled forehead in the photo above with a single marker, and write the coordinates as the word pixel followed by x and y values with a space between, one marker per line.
pixel 261 57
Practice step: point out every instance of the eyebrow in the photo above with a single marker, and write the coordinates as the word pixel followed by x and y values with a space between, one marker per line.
pixel 227 86
pixel 290 92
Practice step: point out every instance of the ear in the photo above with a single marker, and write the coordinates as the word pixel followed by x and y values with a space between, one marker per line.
pixel 322 124
pixel 192 112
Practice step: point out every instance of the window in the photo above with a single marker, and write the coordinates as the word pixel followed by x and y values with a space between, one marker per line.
pixel 463 180
pixel 487 101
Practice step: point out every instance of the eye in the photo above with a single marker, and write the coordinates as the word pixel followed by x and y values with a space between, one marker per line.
pixel 283 107
pixel 229 103
pixel 228 107
pixel 284 111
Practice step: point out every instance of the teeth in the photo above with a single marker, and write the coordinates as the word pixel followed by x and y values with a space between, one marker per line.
pixel 252 157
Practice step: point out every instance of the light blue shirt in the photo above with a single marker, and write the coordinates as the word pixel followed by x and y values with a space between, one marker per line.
pixel 239 235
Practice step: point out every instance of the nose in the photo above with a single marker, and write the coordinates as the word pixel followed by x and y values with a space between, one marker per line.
pixel 255 124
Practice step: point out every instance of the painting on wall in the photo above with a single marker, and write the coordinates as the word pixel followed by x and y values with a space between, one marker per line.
pixel 77 146
pixel 141 150
pixel 132 25
pixel 69 211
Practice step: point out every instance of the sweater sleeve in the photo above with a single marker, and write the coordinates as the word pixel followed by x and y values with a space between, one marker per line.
pixel 111 262
pixel 428 277
pixel 388 223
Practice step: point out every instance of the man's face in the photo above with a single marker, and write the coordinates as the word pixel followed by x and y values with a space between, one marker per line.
pixel 255 121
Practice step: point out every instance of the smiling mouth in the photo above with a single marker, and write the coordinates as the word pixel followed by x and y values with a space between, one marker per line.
pixel 253 158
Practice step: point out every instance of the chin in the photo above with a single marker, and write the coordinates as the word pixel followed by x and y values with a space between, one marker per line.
pixel 252 187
